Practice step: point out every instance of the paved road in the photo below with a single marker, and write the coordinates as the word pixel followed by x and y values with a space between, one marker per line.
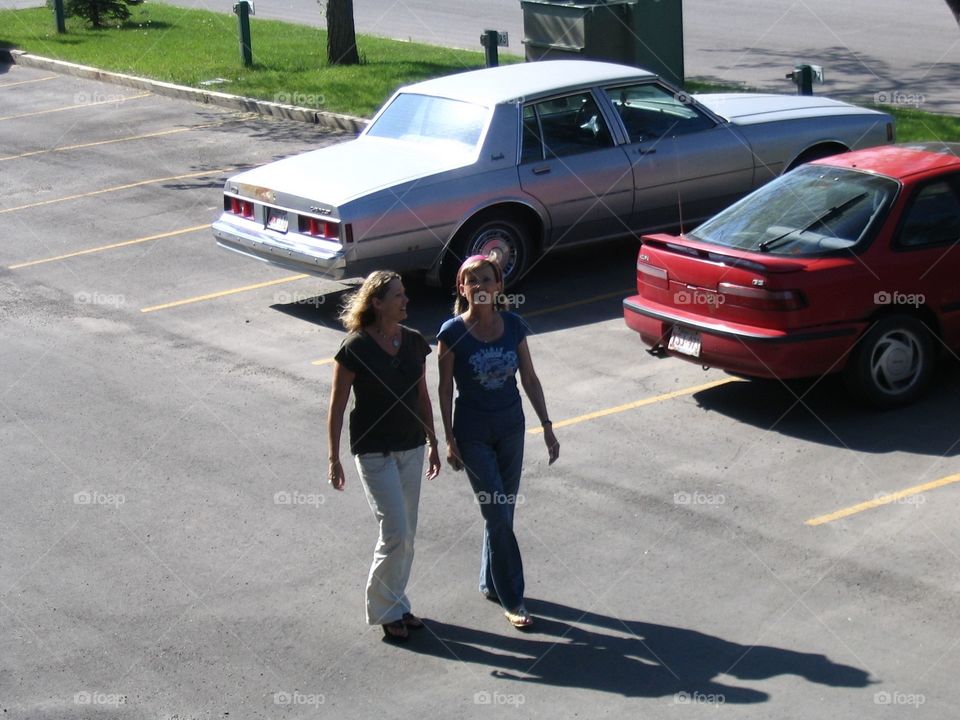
pixel 891 50
pixel 169 548
pixel 871 50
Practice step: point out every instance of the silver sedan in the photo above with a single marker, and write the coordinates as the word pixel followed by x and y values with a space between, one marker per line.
pixel 524 159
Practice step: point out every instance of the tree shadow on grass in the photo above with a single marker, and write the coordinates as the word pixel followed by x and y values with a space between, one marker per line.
pixel 573 648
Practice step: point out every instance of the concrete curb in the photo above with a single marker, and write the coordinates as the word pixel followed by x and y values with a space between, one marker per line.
pixel 325 120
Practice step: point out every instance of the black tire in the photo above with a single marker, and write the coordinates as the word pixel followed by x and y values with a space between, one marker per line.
pixel 504 237
pixel 892 363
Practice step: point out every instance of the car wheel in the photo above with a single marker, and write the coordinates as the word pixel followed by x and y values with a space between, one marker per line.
pixel 893 362
pixel 505 239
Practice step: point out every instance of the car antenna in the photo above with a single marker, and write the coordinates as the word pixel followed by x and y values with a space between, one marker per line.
pixel 676 167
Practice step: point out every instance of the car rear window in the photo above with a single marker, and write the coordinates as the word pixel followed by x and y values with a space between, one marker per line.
pixel 812 210
pixel 423 118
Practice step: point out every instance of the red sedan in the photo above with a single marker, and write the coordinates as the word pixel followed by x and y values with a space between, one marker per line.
pixel 848 264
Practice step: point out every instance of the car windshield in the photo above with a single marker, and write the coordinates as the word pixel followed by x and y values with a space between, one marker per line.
pixel 811 210
pixel 423 118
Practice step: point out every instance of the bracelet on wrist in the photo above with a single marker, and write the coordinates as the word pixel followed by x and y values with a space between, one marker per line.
pixel 544 423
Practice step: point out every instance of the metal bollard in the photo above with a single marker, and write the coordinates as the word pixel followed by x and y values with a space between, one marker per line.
pixel 803 76
pixel 491 40
pixel 244 9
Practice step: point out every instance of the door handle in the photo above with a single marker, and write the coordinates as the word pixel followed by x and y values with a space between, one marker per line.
pixel 651 151
pixel 542 170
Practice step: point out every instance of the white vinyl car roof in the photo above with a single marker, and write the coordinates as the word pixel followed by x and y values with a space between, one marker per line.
pixel 490 86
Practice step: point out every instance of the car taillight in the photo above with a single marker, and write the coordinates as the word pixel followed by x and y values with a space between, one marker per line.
pixel 243 208
pixel 757 298
pixel 318 228
pixel 650 274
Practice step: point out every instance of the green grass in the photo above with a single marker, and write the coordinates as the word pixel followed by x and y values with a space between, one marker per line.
pixel 189 46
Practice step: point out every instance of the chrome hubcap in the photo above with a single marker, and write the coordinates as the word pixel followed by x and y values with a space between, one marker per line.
pixel 499 245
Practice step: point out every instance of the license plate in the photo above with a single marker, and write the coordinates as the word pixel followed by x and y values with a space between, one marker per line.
pixel 684 341
pixel 277 220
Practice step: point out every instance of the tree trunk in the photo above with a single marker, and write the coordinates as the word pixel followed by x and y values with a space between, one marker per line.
pixel 341 34
pixel 954 6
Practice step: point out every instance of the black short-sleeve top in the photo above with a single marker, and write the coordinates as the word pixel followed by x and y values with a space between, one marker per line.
pixel 385 415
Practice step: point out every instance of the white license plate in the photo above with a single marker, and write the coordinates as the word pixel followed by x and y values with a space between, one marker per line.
pixel 684 341
pixel 277 220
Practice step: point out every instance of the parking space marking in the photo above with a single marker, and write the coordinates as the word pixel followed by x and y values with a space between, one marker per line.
pixel 119 99
pixel 25 82
pixel 222 293
pixel 160 236
pixel 542 311
pixel 885 499
pixel 92 193
pixel 636 404
pixel 65 148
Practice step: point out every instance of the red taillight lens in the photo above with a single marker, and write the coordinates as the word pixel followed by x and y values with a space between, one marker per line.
pixel 757 298
pixel 648 274
pixel 243 208
pixel 319 228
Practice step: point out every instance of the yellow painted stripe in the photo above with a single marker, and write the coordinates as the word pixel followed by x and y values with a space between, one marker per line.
pixel 74 107
pixel 636 404
pixel 173 233
pixel 884 500
pixel 543 311
pixel 567 306
pixel 115 189
pixel 222 293
pixel 145 136
pixel 26 82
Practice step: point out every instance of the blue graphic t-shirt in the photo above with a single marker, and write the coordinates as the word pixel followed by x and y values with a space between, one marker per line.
pixel 485 372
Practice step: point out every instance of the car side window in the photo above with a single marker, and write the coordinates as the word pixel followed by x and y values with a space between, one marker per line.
pixel 650 111
pixel 932 218
pixel 567 126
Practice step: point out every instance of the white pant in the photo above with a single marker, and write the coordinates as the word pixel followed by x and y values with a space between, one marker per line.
pixel 392 485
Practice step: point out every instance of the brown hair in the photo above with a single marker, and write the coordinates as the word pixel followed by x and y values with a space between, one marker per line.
pixel 473 264
pixel 358 310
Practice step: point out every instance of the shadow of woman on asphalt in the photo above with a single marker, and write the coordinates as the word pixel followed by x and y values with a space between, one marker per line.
pixel 573 648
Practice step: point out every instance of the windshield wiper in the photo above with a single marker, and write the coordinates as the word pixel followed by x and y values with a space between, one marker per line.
pixel 822 218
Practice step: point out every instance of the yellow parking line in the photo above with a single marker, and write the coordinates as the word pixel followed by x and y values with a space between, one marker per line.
pixel 222 293
pixel 159 133
pixel 884 500
pixel 637 404
pixel 79 105
pixel 25 82
pixel 567 306
pixel 172 233
pixel 115 189
pixel 542 311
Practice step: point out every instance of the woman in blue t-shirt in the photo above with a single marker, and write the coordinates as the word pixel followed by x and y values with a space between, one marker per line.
pixel 481 348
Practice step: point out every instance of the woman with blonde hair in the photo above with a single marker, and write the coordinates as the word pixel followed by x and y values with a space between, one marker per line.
pixel 481 349
pixel 383 363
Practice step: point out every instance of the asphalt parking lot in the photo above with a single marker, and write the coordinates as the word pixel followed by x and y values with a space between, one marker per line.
pixel 170 549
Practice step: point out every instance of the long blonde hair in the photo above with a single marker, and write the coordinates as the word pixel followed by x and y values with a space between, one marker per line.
pixel 473 264
pixel 358 310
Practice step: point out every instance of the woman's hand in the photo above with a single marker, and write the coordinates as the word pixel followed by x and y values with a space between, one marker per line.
pixel 553 445
pixel 434 465
pixel 335 475
pixel 453 455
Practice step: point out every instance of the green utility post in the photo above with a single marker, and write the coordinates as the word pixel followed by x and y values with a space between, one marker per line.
pixel 244 9
pixel 60 16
